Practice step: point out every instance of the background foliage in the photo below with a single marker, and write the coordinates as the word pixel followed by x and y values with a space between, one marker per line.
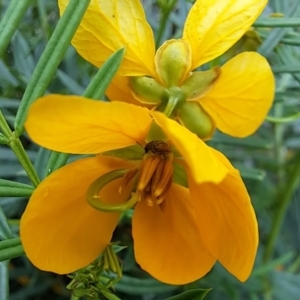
pixel 269 160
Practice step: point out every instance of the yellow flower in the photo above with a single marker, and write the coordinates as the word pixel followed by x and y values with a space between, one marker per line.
pixel 178 232
pixel 234 98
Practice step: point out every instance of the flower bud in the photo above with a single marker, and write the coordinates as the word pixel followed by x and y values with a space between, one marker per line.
pixel 173 62
pixel 147 90
pixel 199 82
pixel 194 117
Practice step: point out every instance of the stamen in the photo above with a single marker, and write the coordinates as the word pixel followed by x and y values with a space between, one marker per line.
pixel 156 171
pixel 165 177
pixel 163 195
pixel 127 178
pixel 157 174
pixel 148 167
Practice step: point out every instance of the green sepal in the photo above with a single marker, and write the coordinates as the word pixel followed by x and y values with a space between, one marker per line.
pixel 199 82
pixel 194 117
pixel 147 90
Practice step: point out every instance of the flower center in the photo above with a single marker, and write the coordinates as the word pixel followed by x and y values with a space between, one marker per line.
pixel 155 176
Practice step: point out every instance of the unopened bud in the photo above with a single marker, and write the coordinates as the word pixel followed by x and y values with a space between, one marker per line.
pixel 194 117
pixel 173 62
pixel 147 90
pixel 199 82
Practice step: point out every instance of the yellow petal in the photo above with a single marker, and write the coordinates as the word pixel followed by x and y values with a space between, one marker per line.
pixel 227 221
pixel 166 239
pixel 74 124
pixel 119 90
pixel 59 230
pixel 201 161
pixel 212 27
pixel 110 25
pixel 241 97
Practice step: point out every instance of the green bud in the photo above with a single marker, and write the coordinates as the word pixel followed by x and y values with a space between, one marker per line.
pixel 194 117
pixel 147 90
pixel 173 62
pixel 199 82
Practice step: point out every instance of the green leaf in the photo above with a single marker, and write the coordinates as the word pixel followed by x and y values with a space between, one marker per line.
pixel 104 76
pixel 197 294
pixel 10 21
pixel 23 59
pixel 286 69
pixel 5 231
pixel 11 248
pixel 14 189
pixel 4 280
pixel 70 83
pixel 7 76
pixel 266 268
pixel 51 57
pixel 56 161
pixel 251 173
pixel 109 295
pixel 277 22
pixel 136 286
pixel 275 36
pixel 251 142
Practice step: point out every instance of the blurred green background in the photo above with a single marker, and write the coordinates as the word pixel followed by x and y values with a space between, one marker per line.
pixel 269 160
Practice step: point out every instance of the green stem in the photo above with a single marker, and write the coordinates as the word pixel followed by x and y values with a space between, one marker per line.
pixel 23 158
pixel 16 145
pixel 11 20
pixel 163 21
pixel 292 185
pixel 4 126
pixel 176 97
pixel 283 120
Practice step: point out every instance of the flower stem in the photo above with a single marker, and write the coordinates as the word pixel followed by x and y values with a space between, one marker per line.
pixel 23 158
pixel 292 185
pixel 16 145
pixel 4 126
pixel 166 10
pixel 175 98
